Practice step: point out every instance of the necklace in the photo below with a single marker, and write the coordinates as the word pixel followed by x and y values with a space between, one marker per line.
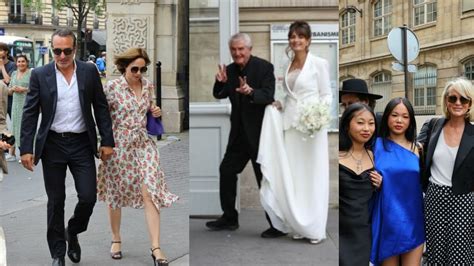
pixel 358 162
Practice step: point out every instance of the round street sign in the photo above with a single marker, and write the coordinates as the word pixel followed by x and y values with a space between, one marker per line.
pixel 395 44
pixel 397 66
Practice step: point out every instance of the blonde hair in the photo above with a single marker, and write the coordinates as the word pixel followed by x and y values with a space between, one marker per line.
pixel 465 88
pixel 128 56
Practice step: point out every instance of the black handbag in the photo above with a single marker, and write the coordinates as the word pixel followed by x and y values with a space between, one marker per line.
pixel 9 139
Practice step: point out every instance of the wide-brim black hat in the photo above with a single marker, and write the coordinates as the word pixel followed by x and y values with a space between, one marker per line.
pixel 357 86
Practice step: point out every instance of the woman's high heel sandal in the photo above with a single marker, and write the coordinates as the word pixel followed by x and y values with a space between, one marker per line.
pixel 117 255
pixel 158 262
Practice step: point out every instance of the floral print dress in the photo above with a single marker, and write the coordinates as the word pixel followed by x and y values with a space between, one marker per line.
pixel 135 160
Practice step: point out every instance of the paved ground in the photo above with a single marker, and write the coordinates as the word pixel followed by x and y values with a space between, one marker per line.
pixel 245 246
pixel 23 218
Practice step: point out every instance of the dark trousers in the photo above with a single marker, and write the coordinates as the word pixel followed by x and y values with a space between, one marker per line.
pixel 60 152
pixel 235 159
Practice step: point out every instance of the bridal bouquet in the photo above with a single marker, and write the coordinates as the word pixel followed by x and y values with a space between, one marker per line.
pixel 312 116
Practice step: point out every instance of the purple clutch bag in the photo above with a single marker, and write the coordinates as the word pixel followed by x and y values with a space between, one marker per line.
pixel 153 125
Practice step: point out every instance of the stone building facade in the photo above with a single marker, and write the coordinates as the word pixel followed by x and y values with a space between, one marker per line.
pixel 445 34
pixel 38 24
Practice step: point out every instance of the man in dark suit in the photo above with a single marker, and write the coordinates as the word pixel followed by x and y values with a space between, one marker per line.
pixel 249 83
pixel 64 92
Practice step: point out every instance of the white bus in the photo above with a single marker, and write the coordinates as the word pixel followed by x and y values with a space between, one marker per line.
pixel 20 45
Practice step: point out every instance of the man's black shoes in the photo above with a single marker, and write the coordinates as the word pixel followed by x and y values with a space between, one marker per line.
pixel 272 233
pixel 58 262
pixel 222 224
pixel 73 248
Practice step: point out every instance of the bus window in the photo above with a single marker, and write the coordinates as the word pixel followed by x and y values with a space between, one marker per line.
pixel 25 48
pixel 19 45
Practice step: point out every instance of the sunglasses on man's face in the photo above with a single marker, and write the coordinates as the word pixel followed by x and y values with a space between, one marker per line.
pixel 67 51
pixel 135 69
pixel 453 99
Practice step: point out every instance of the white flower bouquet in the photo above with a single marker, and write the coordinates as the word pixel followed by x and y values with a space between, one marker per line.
pixel 312 116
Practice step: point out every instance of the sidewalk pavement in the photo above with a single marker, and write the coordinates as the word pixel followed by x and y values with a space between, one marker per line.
pixel 245 246
pixel 23 217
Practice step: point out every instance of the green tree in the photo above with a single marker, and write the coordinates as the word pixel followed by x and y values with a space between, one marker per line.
pixel 80 9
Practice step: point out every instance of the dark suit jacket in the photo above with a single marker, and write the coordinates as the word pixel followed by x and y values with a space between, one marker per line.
pixel 247 110
pixel 463 172
pixel 42 97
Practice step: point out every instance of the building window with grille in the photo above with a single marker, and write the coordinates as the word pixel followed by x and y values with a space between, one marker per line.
pixel 425 11
pixel 382 17
pixel 382 85
pixel 15 7
pixel 424 91
pixel 469 69
pixel 348 21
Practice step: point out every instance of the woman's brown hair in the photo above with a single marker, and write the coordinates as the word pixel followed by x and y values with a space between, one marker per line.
pixel 128 56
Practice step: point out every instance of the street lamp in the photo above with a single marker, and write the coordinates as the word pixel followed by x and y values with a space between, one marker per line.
pixel 353 9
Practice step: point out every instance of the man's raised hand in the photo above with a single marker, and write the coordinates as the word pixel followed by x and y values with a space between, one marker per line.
pixel 221 75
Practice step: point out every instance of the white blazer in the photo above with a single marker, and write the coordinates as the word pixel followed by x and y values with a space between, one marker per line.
pixel 312 83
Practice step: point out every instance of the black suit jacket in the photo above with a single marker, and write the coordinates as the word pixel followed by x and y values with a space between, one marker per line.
pixel 463 172
pixel 247 110
pixel 42 97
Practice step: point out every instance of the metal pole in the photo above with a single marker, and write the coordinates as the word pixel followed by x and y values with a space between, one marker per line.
pixel 405 57
pixel 158 88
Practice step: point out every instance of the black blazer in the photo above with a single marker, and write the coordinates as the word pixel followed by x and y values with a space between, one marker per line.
pixel 247 110
pixel 42 97
pixel 463 172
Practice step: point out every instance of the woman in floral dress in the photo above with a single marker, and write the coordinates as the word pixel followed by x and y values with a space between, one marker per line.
pixel 133 176
pixel 18 87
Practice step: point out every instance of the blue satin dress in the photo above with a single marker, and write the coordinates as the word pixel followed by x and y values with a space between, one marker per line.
pixel 397 218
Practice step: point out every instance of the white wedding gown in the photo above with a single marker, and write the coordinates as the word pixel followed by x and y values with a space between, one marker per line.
pixel 295 167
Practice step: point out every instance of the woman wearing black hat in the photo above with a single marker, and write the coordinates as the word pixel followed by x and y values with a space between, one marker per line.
pixel 355 90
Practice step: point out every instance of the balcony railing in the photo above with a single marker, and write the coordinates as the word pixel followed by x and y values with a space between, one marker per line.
pixel 70 22
pixel 55 20
pixel 96 24
pixel 425 109
pixel 17 18
pixel 25 19
pixel 37 19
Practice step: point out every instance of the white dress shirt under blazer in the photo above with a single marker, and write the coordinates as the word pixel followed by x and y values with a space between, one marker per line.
pixel 68 116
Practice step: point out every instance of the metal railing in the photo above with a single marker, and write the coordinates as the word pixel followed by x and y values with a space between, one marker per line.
pixel 158 87
pixel 23 18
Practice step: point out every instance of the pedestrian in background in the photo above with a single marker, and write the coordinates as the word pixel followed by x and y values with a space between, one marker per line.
pixel 101 64
pixel 3 127
pixel 19 83
pixel 448 178
pixel 7 66
pixel 133 177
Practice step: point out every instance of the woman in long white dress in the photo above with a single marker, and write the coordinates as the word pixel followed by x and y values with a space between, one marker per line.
pixel 295 167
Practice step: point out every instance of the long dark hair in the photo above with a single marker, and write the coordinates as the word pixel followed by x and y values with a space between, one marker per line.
pixel 410 133
pixel 345 141
pixel 299 27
